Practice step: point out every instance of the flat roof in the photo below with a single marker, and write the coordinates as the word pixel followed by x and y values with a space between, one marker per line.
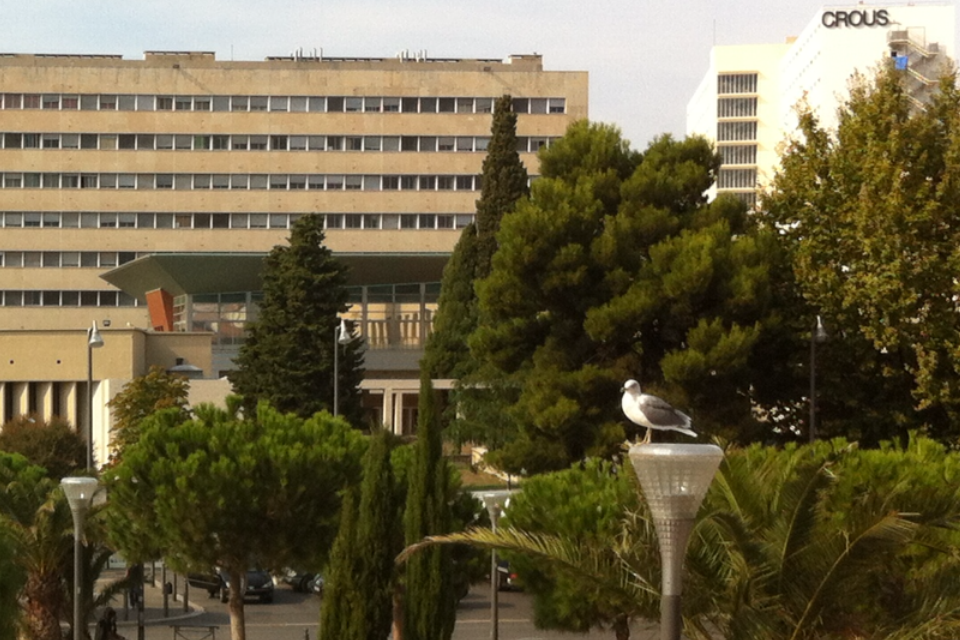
pixel 192 273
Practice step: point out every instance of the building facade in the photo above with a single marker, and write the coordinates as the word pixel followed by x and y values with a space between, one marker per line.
pixel 143 193
pixel 747 100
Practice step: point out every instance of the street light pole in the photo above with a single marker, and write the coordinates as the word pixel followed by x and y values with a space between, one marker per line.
pixel 494 501
pixel 341 336
pixel 817 336
pixel 79 492
pixel 94 341
pixel 675 479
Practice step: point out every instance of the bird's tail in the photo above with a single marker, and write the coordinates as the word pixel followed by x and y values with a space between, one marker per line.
pixel 686 429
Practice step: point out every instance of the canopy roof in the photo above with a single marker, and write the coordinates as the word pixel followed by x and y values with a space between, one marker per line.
pixel 192 273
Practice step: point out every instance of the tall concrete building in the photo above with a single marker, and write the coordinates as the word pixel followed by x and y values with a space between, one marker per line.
pixel 143 194
pixel 746 101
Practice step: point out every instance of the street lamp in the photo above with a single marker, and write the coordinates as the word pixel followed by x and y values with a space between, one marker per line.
pixel 675 479
pixel 495 501
pixel 79 492
pixel 341 335
pixel 94 341
pixel 817 336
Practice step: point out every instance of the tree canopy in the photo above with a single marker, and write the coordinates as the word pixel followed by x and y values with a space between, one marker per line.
pixel 141 397
pixel 288 356
pixel 617 267
pixel 221 490
pixel 54 445
pixel 871 218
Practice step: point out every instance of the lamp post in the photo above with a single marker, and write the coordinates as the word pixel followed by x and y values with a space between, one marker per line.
pixel 495 501
pixel 79 492
pixel 675 479
pixel 94 341
pixel 817 336
pixel 341 336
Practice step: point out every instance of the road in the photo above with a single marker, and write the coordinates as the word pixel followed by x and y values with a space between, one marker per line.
pixel 294 616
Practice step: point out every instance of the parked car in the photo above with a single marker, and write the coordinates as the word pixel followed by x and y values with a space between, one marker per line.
pixel 209 582
pixel 315 585
pixel 299 580
pixel 507 580
pixel 259 584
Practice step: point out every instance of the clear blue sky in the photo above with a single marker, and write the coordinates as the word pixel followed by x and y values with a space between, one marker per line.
pixel 645 57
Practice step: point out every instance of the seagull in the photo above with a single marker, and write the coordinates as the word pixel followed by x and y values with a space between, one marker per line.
pixel 652 412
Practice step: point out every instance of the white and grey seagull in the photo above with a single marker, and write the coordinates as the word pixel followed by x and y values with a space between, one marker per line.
pixel 652 412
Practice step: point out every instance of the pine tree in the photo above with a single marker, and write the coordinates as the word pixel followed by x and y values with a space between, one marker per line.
pixel 287 358
pixel 430 598
pixel 358 603
pixel 504 182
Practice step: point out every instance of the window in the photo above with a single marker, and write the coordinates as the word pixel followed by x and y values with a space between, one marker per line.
pixel 334 183
pixel 88 141
pixel 220 143
pixel 89 181
pixel 737 179
pixel 164 141
pixel 258 103
pixel 70 181
pixel 145 103
pixel 736 131
pixel 353 221
pixel 464 143
pixel 108 220
pixel 464 183
pixel 736 107
pixel 278 143
pixel 51 259
pixel 390 183
pixel 201 181
pixel 373 104
pixel 408 143
pixel 127 103
pixel 428 105
pixel 428 143
pixel 221 181
pixel 428 183
pixel 239 181
pixel 317 143
pixel 240 143
pixel 31 219
pixel 445 143
pixel 108 103
pixel 408 183
pixel 183 142
pixel 201 103
pixel 737 83
pixel 391 105
pixel 183 103
pixel 484 105
pixel 239 103
pixel 538 105
pixel 12 101
pixel 278 103
pixel 408 221
pixel 371 183
pixel 298 143
pixel 464 105
pixel 70 141
pixel 164 103
pixel 354 143
pixel 739 154
pixel 221 103
pixel 557 105
pixel 201 142
pixel 298 104
pixel 445 183
pixel 352 105
pixel 126 141
pixel 258 221
pixel 278 181
pixel 12 181
pixel 353 183
pixel 391 143
pixel 31 101
pixel 409 105
pixel 145 141
pixel 258 143
pixel 12 140
pixel 521 105
pixel 298 182
pixel 317 105
pixel 126 180
pixel 51 101
pixel 447 105
pixel 31 141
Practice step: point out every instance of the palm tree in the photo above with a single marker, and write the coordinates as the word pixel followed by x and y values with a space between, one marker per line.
pixel 794 544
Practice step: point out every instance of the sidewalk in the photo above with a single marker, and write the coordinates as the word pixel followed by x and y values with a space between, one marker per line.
pixel 154 611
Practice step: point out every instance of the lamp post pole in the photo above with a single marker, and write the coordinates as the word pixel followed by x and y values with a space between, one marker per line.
pixel 675 479
pixel 494 501
pixel 79 492
pixel 341 336
pixel 817 336
pixel 94 341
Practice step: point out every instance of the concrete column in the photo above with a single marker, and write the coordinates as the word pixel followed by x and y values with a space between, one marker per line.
pixel 398 412
pixel 386 409
pixel 45 400
pixel 68 403
pixel 21 398
pixel 3 402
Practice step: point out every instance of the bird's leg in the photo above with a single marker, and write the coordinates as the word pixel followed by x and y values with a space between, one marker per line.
pixel 647 438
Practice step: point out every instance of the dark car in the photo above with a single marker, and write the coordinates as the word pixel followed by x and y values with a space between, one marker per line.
pixel 259 584
pixel 209 582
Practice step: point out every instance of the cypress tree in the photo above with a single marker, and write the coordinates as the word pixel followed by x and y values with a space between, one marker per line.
pixel 430 599
pixel 504 182
pixel 358 603
pixel 287 358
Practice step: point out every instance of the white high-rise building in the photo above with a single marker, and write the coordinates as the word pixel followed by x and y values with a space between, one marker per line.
pixel 746 101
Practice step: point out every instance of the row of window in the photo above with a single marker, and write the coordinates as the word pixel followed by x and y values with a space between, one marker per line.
pixel 736 107
pixel 295 104
pixel 238 142
pixel 153 220
pixel 736 131
pixel 738 154
pixel 736 83
pixel 66 259
pixel 737 179
pixel 244 181
pixel 14 298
